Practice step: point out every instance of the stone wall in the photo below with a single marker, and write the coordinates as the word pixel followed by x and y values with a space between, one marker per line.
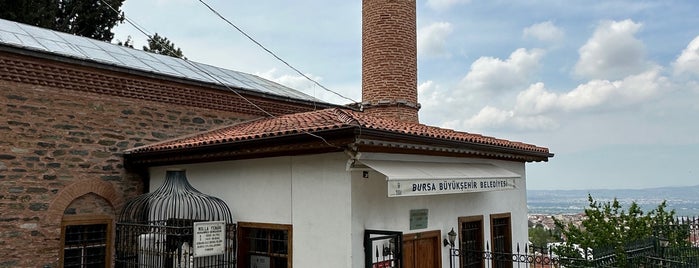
pixel 61 151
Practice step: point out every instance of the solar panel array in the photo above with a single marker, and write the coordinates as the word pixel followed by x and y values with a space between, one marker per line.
pixel 44 40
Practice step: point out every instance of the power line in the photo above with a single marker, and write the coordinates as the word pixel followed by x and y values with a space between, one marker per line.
pixel 144 32
pixel 270 52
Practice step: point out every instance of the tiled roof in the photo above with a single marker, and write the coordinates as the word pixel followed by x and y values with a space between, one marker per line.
pixel 327 119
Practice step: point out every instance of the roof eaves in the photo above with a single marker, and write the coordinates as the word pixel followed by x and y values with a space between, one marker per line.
pixel 298 143
pixel 379 137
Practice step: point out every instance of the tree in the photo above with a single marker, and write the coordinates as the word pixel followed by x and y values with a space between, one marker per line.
pixel 89 18
pixel 127 43
pixel 541 237
pixel 161 45
pixel 40 13
pixel 609 226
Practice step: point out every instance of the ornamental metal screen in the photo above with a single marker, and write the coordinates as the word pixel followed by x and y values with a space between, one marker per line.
pixel 157 229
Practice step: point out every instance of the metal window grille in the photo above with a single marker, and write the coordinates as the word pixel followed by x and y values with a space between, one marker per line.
pixel 501 243
pixel 157 229
pixel 266 247
pixel 471 244
pixel 85 246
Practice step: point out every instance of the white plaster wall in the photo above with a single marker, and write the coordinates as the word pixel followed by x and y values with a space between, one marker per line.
pixel 329 207
pixel 255 190
pixel 321 211
pixel 372 209
pixel 312 193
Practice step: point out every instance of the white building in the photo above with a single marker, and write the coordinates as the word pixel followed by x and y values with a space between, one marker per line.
pixel 319 180
pixel 363 187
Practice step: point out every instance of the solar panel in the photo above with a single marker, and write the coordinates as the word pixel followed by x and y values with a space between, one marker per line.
pixel 10 38
pixel 34 38
pixel 29 42
pixel 100 55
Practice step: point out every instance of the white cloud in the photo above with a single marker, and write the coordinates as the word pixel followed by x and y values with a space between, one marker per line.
pixel 297 82
pixel 688 61
pixel 604 94
pixel 441 5
pixel 613 52
pixel 300 83
pixel 495 118
pixel 492 75
pixel 544 31
pixel 432 40
pixel 538 108
pixel 434 98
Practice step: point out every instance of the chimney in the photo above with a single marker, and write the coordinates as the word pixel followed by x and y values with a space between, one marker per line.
pixel 389 59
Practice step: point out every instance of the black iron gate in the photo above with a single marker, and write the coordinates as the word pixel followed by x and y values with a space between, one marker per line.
pixel 157 229
pixel 383 249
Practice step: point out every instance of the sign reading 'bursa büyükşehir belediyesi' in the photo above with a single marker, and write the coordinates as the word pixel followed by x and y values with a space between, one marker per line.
pixel 451 186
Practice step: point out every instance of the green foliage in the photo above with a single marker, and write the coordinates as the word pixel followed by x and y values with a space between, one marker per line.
pixel 40 13
pixel 127 43
pixel 89 18
pixel 161 45
pixel 540 237
pixel 609 226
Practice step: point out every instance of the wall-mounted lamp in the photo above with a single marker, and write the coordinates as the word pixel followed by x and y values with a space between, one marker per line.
pixel 452 237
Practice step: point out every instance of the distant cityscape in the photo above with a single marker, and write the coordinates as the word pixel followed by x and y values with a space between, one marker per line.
pixel 569 205
pixel 684 200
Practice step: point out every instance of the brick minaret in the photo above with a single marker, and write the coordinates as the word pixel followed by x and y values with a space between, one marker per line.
pixel 389 59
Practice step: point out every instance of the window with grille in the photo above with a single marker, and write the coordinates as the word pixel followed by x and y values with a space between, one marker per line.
pixel 86 243
pixel 501 235
pixel 471 234
pixel 264 245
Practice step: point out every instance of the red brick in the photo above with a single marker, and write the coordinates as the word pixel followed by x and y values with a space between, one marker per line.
pixel 389 59
pixel 71 125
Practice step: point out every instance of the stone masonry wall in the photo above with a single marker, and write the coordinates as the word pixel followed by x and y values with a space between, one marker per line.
pixel 61 152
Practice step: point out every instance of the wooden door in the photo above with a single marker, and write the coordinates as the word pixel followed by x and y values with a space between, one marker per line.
pixel 422 250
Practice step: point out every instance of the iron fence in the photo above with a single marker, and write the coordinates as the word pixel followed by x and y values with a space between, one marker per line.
pixel 646 253
pixel 167 244
pixel 175 226
pixel 653 252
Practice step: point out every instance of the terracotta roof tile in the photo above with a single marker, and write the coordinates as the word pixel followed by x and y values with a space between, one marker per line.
pixel 333 118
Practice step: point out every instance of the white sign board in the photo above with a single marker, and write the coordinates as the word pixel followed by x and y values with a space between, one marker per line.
pixel 259 261
pixel 452 186
pixel 209 238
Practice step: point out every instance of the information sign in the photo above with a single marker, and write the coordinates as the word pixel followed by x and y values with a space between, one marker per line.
pixel 418 219
pixel 209 238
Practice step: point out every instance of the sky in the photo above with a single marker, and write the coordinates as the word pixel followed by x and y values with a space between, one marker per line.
pixel 611 87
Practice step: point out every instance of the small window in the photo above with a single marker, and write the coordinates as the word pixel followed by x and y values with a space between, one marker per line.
pixel 86 242
pixel 264 245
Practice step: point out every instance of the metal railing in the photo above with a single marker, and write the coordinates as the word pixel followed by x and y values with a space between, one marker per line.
pixel 644 253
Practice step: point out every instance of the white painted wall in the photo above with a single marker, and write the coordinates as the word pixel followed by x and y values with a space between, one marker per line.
pixel 372 209
pixel 330 207
pixel 312 193
pixel 255 190
pixel 321 211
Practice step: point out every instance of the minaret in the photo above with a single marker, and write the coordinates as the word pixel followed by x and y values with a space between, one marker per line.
pixel 389 59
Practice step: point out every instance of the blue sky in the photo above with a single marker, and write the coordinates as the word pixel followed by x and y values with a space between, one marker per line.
pixel 611 87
